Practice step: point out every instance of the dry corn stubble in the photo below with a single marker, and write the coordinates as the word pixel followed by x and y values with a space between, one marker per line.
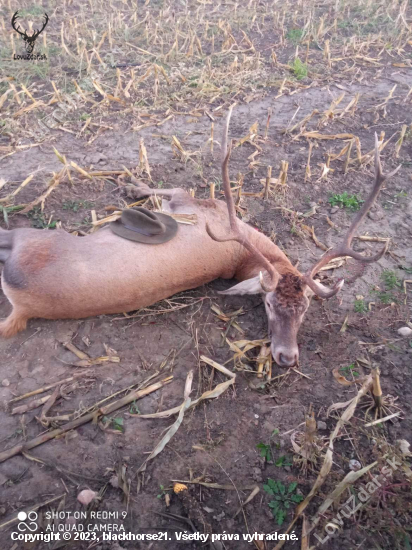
pixel 169 39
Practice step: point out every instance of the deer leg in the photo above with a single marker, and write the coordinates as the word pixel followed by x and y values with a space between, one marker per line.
pixel 177 198
pixel 17 320
pixel 14 323
pixel 143 190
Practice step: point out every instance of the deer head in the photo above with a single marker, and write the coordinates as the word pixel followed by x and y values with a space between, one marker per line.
pixel 287 296
pixel 28 40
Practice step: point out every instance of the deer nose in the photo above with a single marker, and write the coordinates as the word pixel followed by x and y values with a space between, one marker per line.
pixel 286 358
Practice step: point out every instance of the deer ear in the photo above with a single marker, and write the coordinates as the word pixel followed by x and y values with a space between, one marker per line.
pixel 250 286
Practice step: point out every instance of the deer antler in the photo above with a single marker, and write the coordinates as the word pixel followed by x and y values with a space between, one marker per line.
pixel 36 33
pixel 236 234
pixel 344 249
pixel 13 24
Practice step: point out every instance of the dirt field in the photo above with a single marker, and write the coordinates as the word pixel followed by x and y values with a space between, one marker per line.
pixel 143 88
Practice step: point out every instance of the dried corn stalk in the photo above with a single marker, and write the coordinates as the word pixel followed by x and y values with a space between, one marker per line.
pixel 350 407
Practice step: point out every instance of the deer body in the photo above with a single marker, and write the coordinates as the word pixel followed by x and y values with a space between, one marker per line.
pixel 55 275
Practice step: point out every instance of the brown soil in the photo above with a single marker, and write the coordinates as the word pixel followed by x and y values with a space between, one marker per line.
pixel 218 440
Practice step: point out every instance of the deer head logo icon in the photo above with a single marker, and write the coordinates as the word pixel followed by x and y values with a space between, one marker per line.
pixel 29 41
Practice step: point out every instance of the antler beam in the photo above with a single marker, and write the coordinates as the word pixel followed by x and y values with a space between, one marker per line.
pixel 236 234
pixel 344 249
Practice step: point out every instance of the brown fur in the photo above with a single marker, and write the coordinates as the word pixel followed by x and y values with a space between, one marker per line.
pixel 13 324
pixel 36 256
pixel 207 203
pixel 61 276
pixel 289 291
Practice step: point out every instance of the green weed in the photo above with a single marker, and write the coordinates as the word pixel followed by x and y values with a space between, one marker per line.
pixel 295 35
pixel 299 69
pixel 283 461
pixel 118 424
pixel 38 219
pixel 163 491
pixel 343 200
pixel 5 210
pixel 283 498
pixel 264 451
pixel 114 423
pixel 76 205
pixel 390 279
pixel 392 284
pixel 385 297
pixel 349 369
pixel 359 306
pixel 134 409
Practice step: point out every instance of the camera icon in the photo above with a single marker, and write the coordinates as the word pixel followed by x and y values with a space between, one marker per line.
pixel 28 521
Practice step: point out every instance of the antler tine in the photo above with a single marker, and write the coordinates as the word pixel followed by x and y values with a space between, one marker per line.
pixel 38 31
pixel 236 234
pixel 344 249
pixel 13 23
pixel 226 152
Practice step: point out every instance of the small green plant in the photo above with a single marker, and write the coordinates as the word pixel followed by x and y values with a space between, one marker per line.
pixel 264 451
pixel 283 498
pixel 84 116
pixel 160 184
pixel 283 461
pixel 114 423
pixel 299 69
pixel 349 369
pixel 76 205
pixel 390 279
pixel 359 306
pixel 38 219
pixel 163 492
pixel 118 424
pixel 134 409
pixel 5 210
pixel 193 81
pixel 343 200
pixel 385 297
pixel 391 283
pixel 295 35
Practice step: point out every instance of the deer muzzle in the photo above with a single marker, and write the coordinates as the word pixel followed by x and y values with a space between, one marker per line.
pixel 285 356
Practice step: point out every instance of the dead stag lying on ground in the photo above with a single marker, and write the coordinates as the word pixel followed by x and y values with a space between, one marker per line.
pixel 54 275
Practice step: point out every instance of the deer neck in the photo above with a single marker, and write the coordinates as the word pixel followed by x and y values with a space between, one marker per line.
pixel 247 266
